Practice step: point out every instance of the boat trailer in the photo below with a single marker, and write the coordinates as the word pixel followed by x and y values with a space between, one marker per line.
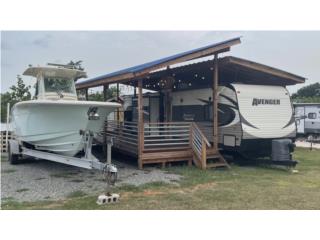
pixel 88 161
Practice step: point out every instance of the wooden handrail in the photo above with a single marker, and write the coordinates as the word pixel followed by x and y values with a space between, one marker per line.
pixel 194 125
pixel 199 144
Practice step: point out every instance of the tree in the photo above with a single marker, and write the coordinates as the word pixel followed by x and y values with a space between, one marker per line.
pixel 17 93
pixel 20 92
pixel 308 94
pixel 98 96
pixel 112 92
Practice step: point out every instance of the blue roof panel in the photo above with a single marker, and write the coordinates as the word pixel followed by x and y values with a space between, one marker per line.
pixel 147 65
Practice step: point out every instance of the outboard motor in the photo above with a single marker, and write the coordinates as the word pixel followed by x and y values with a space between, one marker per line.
pixel 282 152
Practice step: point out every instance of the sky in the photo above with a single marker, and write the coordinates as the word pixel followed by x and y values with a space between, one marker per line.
pixel 103 52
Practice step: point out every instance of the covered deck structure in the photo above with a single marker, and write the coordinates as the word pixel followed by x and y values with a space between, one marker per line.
pixel 165 139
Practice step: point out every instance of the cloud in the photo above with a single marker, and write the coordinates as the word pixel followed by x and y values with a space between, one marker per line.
pixel 43 41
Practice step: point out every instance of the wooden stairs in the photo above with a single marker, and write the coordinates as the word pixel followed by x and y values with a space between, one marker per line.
pixel 204 154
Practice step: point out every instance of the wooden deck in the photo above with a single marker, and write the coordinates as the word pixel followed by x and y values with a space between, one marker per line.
pixel 164 143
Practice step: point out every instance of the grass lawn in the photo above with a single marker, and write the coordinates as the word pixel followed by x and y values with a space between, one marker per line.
pixel 238 188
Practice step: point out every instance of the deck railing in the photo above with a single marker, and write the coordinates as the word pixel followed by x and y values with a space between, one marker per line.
pixel 166 135
pixel 199 144
pixel 207 129
pixel 125 134
pixel 160 136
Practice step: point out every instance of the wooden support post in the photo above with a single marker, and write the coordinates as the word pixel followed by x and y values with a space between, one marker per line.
pixel 169 105
pixel 215 102
pixel 87 95
pixel 104 146
pixel 105 90
pixel 215 111
pixel 140 125
pixel 203 154
pixel 7 127
pixel 135 92
pixel 190 135
pixel 118 113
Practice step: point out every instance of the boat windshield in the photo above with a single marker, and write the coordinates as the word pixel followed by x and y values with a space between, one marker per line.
pixel 54 84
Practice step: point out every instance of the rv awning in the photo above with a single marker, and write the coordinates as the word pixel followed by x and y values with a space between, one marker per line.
pixel 231 70
pixel 146 68
pixel 260 71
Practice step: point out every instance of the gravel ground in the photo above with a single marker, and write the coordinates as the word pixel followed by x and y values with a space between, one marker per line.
pixel 41 180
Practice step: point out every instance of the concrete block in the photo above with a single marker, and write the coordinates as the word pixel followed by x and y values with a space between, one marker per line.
pixel 108 198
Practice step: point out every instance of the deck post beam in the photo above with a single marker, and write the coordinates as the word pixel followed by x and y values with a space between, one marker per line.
pixel 118 113
pixel 135 91
pixel 87 94
pixel 105 90
pixel 215 113
pixel 140 124
pixel 215 101
pixel 104 146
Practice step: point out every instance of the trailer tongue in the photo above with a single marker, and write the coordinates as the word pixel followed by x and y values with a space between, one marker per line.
pixel 88 161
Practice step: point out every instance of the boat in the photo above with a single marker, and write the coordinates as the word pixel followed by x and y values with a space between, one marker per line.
pixel 55 121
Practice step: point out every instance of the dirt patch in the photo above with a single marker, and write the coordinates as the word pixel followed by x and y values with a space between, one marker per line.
pixel 185 190
pixel 202 186
pixel 152 193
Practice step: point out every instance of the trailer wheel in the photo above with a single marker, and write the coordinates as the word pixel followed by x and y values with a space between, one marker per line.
pixel 13 158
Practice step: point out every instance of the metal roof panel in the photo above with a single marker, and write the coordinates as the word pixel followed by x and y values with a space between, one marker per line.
pixel 148 65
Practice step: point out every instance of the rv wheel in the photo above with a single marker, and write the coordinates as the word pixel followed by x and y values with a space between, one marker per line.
pixel 13 158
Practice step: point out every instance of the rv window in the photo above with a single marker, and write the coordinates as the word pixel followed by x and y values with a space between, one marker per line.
pixel 312 115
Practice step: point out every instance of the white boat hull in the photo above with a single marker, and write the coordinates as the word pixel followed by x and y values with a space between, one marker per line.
pixel 55 125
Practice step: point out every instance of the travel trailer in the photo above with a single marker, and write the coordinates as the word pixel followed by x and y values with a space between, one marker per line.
pixel 178 120
pixel 308 118
pixel 250 116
